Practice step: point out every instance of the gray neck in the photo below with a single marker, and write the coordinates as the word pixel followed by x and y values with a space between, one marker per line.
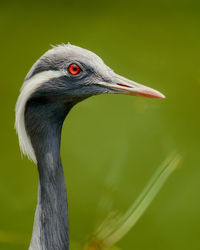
pixel 50 230
pixel 51 217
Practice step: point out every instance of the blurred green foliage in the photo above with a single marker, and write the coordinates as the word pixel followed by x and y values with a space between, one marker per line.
pixel 156 43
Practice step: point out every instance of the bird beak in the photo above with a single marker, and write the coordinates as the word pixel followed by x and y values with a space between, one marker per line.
pixel 125 86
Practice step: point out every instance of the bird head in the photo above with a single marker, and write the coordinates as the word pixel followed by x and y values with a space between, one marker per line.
pixel 75 73
pixel 63 76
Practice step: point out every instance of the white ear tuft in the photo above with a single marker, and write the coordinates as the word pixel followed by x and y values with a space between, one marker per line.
pixel 28 88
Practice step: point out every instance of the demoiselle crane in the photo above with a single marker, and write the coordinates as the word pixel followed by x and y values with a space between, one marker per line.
pixel 62 77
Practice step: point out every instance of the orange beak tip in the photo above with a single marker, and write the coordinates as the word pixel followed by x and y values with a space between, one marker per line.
pixel 151 94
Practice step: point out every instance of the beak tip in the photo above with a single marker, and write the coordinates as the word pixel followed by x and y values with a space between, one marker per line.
pixel 151 93
pixel 161 96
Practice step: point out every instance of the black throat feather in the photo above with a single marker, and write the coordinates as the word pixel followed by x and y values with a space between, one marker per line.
pixel 43 121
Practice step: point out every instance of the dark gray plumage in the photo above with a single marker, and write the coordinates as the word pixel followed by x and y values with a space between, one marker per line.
pixel 62 77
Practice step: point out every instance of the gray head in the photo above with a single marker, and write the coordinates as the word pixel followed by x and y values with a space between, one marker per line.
pixel 63 76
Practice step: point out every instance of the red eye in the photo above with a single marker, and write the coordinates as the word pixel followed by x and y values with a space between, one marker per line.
pixel 74 69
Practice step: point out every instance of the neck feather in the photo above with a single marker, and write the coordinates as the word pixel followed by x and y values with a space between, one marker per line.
pixel 51 218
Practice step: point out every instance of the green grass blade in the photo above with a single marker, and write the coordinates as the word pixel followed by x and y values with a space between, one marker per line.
pixel 129 219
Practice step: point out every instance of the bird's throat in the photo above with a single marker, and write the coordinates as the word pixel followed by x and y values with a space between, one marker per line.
pixel 50 230
pixel 51 215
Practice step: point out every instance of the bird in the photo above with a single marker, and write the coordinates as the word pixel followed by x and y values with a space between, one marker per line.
pixel 62 77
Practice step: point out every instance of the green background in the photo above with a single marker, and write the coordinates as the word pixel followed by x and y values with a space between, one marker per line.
pixel 111 144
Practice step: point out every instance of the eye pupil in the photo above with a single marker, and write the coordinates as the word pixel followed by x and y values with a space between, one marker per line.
pixel 74 69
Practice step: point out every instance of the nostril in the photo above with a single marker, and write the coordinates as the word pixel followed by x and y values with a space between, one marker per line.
pixel 124 85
